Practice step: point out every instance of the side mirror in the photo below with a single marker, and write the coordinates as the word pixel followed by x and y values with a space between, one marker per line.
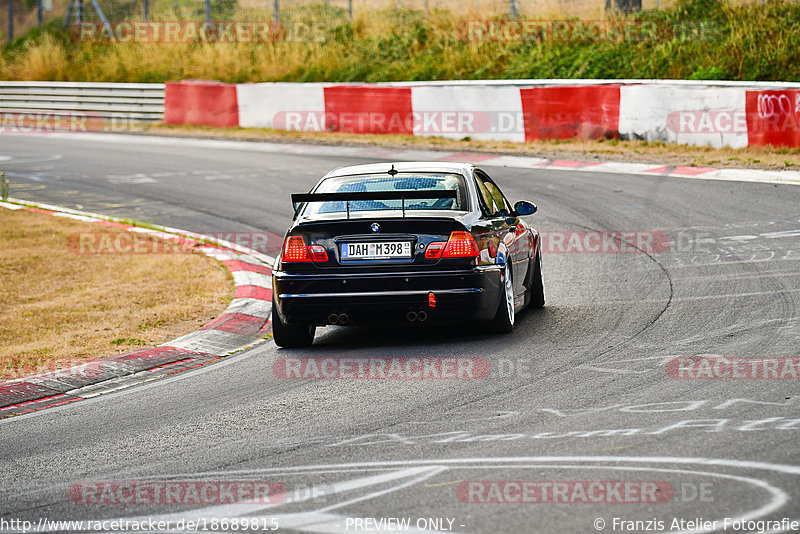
pixel 523 207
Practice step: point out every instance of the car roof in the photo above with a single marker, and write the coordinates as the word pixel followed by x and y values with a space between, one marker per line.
pixel 404 166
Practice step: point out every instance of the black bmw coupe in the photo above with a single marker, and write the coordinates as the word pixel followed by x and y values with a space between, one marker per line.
pixel 411 242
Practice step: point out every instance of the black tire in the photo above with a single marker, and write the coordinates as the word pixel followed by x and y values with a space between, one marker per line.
pixel 537 286
pixel 291 335
pixel 503 321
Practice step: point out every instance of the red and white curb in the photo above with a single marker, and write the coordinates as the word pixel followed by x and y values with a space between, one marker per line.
pixel 486 160
pixel 700 113
pixel 243 324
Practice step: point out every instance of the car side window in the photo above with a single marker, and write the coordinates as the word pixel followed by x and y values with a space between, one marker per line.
pixel 483 196
pixel 490 194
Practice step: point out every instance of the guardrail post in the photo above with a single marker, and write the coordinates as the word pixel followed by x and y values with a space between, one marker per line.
pixel 78 6
pixel 3 186
pixel 145 9
pixel 275 9
pixel 514 12
pixel 68 16
pixel 10 20
pixel 350 9
pixel 38 13
pixel 208 11
pixel 101 15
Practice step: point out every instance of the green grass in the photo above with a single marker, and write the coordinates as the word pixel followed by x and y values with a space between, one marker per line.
pixel 695 39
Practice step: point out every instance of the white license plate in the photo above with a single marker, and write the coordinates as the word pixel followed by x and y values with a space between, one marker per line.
pixel 379 250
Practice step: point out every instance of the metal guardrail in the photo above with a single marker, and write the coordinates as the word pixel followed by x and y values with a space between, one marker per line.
pixel 140 102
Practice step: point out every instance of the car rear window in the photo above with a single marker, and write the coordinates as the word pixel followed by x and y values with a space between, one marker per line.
pixel 398 182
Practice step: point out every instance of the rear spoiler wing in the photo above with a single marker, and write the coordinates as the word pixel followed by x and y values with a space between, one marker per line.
pixel 298 199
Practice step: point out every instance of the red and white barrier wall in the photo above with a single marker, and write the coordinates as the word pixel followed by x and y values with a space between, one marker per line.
pixel 733 114
pixel 683 115
pixel 206 103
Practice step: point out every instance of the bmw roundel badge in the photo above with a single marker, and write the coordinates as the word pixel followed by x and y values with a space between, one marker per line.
pixel 375 227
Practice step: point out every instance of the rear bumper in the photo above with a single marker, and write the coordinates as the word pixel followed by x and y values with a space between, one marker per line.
pixel 461 295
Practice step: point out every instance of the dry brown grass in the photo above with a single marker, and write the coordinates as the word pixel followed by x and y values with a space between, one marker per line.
pixel 771 158
pixel 61 308
pixel 46 60
pixel 474 8
pixel 382 43
pixel 4 72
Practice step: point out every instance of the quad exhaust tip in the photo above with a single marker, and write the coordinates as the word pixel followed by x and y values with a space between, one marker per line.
pixel 413 316
pixel 338 318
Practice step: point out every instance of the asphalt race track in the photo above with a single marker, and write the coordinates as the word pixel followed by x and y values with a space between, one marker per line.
pixel 579 392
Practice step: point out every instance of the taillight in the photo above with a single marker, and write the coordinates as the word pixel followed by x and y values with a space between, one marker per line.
pixel 295 250
pixel 461 245
pixel 318 253
pixel 434 250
